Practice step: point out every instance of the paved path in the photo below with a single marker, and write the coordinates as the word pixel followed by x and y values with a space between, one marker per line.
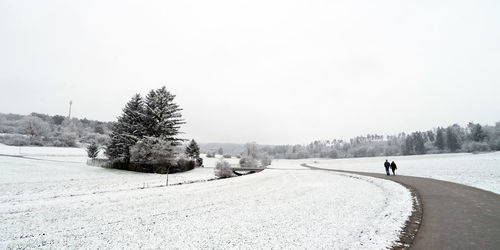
pixel 455 216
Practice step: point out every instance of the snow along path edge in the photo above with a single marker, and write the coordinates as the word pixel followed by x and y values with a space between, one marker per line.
pixel 412 224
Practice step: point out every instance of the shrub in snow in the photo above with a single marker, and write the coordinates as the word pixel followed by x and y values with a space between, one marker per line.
pixel 210 155
pixel 199 162
pixel 265 160
pixel 248 162
pixel 249 156
pixel 228 156
pixel 151 150
pixel 92 150
pixel 155 155
pixel 223 169
pixel 184 165
pixel 174 166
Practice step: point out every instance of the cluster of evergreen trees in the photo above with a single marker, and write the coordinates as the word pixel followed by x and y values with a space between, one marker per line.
pixel 472 138
pixel 145 136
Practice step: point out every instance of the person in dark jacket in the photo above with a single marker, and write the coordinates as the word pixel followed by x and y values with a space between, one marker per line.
pixel 387 165
pixel 393 168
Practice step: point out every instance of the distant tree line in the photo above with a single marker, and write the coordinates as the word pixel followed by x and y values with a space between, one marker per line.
pixel 472 138
pixel 250 157
pixel 45 130
pixel 145 137
pixel 228 149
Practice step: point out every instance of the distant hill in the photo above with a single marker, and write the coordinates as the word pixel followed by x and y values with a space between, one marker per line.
pixel 228 148
pixel 51 130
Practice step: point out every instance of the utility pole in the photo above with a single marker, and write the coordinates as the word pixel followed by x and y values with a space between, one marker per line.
pixel 70 103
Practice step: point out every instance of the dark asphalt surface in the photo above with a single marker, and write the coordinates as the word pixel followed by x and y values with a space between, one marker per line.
pixel 455 216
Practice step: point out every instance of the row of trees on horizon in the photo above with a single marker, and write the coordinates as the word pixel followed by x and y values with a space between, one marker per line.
pixel 45 130
pixel 472 138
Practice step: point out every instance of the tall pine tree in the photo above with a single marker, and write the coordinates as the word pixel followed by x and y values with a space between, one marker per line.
pixel 162 116
pixel 127 130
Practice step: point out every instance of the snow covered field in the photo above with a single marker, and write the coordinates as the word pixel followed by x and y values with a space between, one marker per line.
pixel 476 170
pixel 52 204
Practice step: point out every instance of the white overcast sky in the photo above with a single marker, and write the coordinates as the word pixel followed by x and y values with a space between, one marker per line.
pixel 265 71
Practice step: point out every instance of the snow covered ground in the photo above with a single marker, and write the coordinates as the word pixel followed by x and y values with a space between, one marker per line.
pixel 52 204
pixel 47 153
pixel 476 170
pixel 49 173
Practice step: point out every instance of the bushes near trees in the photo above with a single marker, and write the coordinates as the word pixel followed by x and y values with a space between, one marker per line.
pixel 152 150
pixel 223 169
pixel 265 159
pixel 248 162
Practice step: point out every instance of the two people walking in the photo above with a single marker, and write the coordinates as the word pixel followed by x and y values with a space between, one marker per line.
pixel 391 165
